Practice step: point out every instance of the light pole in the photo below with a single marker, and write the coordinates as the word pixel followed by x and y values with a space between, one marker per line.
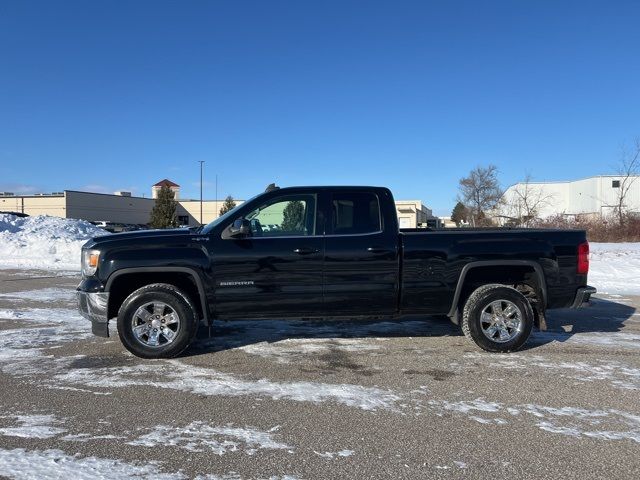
pixel 201 162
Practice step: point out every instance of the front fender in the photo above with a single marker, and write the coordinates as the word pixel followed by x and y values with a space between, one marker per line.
pixel 191 272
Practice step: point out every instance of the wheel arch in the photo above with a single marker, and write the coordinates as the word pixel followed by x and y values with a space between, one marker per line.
pixel 122 283
pixel 495 269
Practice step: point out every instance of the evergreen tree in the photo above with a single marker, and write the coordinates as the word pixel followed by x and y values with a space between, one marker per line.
pixel 459 214
pixel 228 204
pixel 163 214
pixel 293 214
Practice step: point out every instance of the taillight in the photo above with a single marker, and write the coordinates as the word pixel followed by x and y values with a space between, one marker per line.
pixel 583 258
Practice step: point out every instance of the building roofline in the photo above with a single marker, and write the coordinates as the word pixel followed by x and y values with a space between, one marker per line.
pixel 559 182
pixel 109 194
pixel 166 182
pixel 33 195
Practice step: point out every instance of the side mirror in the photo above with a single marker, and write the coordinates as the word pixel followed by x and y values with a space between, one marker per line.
pixel 241 227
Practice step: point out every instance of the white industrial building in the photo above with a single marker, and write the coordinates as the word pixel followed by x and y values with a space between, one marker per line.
pixel 592 196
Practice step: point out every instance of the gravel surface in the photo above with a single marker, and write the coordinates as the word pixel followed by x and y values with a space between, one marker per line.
pixel 290 399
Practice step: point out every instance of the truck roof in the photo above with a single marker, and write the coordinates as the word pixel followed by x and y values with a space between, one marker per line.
pixel 333 187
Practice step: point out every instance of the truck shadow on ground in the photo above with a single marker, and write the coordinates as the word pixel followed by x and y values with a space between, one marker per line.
pixel 588 324
pixel 602 316
pixel 242 333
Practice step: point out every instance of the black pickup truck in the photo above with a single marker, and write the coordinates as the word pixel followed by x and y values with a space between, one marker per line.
pixel 327 252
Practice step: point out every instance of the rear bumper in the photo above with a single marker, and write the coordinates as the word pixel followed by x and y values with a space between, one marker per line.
pixel 582 296
pixel 93 307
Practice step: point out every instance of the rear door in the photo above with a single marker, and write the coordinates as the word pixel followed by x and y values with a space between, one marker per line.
pixel 278 269
pixel 361 260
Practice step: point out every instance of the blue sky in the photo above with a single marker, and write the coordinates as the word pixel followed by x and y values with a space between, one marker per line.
pixel 111 95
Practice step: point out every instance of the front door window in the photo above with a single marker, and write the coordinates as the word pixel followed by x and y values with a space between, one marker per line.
pixel 293 215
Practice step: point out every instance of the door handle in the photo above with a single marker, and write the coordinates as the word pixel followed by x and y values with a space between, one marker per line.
pixel 305 251
pixel 378 250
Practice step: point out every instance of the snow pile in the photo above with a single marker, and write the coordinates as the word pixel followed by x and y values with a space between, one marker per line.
pixel 615 268
pixel 43 242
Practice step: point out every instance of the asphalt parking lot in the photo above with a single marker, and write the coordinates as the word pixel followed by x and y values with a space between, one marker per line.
pixel 286 399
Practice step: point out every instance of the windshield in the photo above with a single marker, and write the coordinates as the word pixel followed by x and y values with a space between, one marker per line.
pixel 210 226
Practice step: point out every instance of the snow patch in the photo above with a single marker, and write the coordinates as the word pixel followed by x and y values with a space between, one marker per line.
pixel 42 295
pixel 604 339
pixel 55 464
pixel 200 437
pixel 617 374
pixel 341 453
pixel 608 424
pixel 44 315
pixel 467 406
pixel 32 426
pixel 175 375
pixel 85 437
pixel 22 350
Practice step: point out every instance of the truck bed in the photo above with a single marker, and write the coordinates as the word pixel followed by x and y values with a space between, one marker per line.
pixel 433 261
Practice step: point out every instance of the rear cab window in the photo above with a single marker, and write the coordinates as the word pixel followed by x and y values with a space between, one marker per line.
pixel 355 213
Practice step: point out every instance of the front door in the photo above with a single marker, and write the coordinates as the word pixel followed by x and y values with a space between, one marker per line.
pixel 277 270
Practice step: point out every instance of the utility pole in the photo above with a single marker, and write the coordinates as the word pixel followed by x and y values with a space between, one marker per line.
pixel 217 206
pixel 201 162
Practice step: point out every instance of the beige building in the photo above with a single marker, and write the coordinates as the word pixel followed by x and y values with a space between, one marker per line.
pixel 413 214
pixel 94 207
pixel 188 211
pixel 43 204
pixel 100 207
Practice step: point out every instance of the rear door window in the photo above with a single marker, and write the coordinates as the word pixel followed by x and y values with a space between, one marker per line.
pixel 355 213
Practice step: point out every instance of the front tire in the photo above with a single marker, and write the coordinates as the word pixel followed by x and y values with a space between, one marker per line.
pixel 157 321
pixel 497 318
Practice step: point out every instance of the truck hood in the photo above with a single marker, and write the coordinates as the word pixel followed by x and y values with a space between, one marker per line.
pixel 141 235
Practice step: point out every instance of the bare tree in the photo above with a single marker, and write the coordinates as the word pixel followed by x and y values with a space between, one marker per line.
pixel 480 192
pixel 628 169
pixel 525 202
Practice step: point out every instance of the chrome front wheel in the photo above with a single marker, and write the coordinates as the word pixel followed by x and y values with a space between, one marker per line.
pixel 157 321
pixel 155 324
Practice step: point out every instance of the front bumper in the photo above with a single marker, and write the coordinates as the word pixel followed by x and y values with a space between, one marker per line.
pixel 582 296
pixel 93 306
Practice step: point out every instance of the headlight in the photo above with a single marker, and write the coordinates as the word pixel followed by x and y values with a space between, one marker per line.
pixel 90 262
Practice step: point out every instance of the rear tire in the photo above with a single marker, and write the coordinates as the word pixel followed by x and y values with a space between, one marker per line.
pixel 497 318
pixel 157 321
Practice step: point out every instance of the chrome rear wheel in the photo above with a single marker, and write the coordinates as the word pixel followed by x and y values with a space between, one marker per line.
pixel 497 318
pixel 501 321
